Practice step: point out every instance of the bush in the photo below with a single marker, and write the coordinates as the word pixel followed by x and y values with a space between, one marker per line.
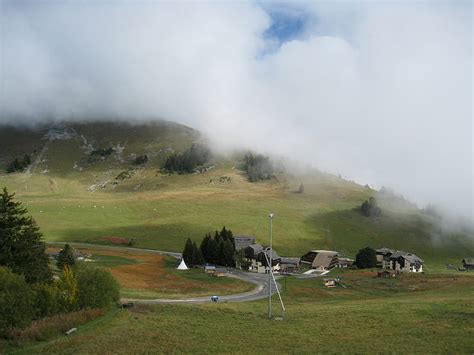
pixel 16 301
pixel 97 287
pixel 47 300
pixel 47 328
pixel 366 258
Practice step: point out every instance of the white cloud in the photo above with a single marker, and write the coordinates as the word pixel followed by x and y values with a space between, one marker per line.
pixel 381 92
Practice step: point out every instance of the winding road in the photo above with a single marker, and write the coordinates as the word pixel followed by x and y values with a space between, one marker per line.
pixel 259 280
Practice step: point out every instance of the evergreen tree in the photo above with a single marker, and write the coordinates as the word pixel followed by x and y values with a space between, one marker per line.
pixel 220 260
pixel 198 259
pixel 66 257
pixel 205 247
pixel 212 252
pixel 228 253
pixel 301 188
pixel 188 252
pixel 21 247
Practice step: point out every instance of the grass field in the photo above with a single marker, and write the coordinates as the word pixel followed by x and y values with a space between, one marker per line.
pixel 412 314
pixel 161 211
pixel 149 275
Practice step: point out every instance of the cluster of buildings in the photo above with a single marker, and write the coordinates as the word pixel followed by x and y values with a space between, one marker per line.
pixel 257 258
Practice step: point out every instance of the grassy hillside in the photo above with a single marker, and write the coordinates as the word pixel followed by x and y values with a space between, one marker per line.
pixel 114 198
pixel 413 314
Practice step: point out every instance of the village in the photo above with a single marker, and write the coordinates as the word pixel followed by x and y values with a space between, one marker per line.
pixel 315 263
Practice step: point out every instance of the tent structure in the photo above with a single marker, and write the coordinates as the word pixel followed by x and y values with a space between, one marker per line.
pixel 182 265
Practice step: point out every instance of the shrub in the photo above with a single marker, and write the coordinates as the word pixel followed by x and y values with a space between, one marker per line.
pixel 97 287
pixel 366 258
pixel 47 300
pixel 47 328
pixel 68 292
pixel 16 301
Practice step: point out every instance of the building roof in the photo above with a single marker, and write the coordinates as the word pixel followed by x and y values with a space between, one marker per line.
pixel 290 260
pixel 324 258
pixel 468 261
pixel 243 241
pixel 384 251
pixel 274 253
pixel 412 258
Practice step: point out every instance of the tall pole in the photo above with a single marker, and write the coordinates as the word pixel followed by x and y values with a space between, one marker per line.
pixel 270 257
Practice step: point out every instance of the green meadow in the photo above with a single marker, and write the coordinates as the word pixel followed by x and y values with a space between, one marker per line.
pixel 411 314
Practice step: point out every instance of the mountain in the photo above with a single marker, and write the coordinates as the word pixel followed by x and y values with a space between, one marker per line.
pixel 60 148
pixel 84 184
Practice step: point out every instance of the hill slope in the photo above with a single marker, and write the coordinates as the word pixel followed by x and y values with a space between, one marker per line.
pixel 113 197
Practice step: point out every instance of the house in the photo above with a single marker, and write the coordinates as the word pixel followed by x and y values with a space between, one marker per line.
pixel 243 241
pixel 320 259
pixel 331 282
pixel 289 265
pixel 210 269
pixel 255 257
pixel 220 271
pixel 264 255
pixel 381 253
pixel 344 262
pixel 468 263
pixel 402 262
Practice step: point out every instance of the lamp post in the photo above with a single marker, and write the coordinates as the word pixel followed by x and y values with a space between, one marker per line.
pixel 270 270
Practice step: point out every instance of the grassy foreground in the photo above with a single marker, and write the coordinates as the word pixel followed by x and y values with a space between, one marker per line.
pixel 422 314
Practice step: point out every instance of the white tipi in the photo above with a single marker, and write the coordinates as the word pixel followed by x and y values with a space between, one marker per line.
pixel 182 265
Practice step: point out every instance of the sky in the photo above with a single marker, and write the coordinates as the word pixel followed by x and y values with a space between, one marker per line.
pixel 379 92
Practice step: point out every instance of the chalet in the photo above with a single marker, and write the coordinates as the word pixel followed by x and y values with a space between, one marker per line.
pixel 242 241
pixel 220 271
pixel 264 255
pixel 320 259
pixel 402 262
pixel 381 253
pixel 344 262
pixel 289 265
pixel 255 257
pixel 468 263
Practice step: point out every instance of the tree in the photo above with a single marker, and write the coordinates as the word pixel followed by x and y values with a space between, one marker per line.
pixel 205 247
pixel 370 209
pixel 66 257
pixel 228 253
pixel 366 258
pixel 188 252
pixel 97 287
pixel 16 301
pixel 197 258
pixel 47 300
pixel 301 188
pixel 68 290
pixel 21 245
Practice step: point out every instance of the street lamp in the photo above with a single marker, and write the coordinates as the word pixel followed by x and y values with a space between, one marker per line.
pixel 269 261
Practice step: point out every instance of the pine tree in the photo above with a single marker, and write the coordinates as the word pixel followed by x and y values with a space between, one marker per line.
pixel 188 252
pixel 66 257
pixel 212 252
pixel 228 253
pixel 205 247
pixel 198 259
pixel 21 247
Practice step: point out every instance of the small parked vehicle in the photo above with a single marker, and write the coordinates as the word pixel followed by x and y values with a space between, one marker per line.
pixel 214 298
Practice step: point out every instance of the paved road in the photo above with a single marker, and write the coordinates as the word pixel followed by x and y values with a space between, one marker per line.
pixel 260 280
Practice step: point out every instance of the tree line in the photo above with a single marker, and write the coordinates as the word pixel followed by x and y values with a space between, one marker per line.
pixel 18 164
pixel 189 160
pixel 218 250
pixel 258 167
pixel 28 290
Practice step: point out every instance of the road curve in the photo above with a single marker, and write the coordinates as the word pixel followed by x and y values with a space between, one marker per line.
pixel 260 280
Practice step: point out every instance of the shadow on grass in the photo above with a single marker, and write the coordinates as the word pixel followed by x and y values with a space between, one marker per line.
pixel 170 237
pixel 347 231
